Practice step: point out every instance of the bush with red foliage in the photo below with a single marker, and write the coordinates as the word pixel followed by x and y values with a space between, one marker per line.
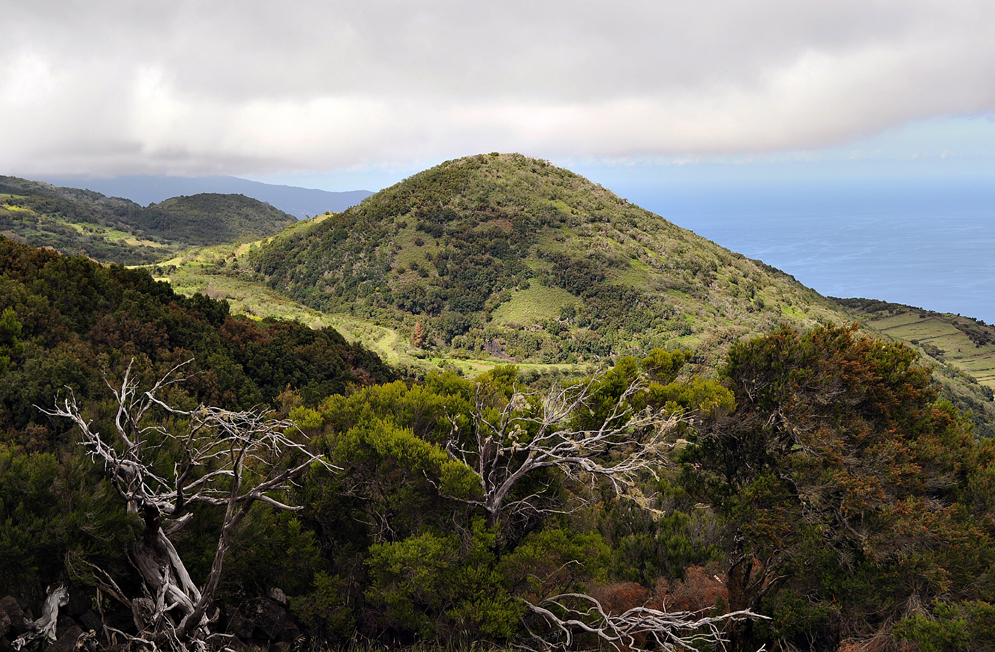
pixel 702 589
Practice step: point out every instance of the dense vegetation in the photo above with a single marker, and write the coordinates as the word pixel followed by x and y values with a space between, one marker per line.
pixel 961 351
pixel 211 218
pixel 820 483
pixel 66 320
pixel 111 229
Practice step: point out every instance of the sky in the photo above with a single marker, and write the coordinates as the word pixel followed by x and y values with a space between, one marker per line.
pixel 346 95
pixel 736 118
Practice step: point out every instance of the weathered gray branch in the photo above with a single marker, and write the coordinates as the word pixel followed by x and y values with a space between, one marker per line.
pixel 639 629
pixel 228 459
pixel 535 431
pixel 44 626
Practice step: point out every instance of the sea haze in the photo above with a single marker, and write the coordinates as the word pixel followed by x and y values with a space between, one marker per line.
pixel 146 189
pixel 929 245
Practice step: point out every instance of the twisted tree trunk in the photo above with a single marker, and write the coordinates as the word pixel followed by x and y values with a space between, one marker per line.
pixel 44 627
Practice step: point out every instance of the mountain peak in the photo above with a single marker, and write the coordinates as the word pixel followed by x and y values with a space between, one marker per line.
pixel 505 253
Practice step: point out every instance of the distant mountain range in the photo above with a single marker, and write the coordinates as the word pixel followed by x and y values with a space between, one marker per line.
pixel 148 189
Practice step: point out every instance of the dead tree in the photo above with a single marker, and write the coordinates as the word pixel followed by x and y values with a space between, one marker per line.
pixel 639 629
pixel 229 460
pixel 537 431
pixel 44 627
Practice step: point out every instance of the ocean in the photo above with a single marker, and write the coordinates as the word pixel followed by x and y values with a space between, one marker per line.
pixel 934 259
pixel 920 240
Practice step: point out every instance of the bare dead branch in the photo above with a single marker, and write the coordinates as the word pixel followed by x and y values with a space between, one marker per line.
pixel 44 626
pixel 639 629
pixel 227 459
pixel 534 431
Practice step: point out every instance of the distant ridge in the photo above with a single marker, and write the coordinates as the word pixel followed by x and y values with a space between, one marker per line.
pixel 114 229
pixel 148 189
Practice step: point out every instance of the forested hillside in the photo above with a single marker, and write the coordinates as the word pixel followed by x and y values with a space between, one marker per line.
pixel 111 229
pixel 211 218
pixel 509 257
pixel 68 320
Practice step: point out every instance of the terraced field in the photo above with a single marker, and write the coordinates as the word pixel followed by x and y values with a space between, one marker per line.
pixel 930 331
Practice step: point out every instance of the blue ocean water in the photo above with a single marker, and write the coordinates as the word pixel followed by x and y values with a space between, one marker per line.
pixel 942 260
pixel 922 240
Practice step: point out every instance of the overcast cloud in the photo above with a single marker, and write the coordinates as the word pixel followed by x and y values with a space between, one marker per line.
pixel 252 87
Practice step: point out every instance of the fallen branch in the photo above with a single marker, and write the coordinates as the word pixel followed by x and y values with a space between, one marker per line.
pixel 639 629
pixel 44 627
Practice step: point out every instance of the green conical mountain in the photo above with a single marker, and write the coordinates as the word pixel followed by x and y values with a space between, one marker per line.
pixel 507 256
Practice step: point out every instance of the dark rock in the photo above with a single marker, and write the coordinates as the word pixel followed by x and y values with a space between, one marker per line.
pixel 279 596
pixel 5 645
pixel 67 640
pixel 90 619
pixel 4 623
pixel 236 645
pixel 18 619
pixel 123 620
pixel 267 616
pixel 28 616
pixel 80 600
pixel 64 624
pixel 118 647
pixel 289 635
pixel 239 626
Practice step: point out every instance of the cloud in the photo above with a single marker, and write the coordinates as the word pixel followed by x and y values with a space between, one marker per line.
pixel 255 87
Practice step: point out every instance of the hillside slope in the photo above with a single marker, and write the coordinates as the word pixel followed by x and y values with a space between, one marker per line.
pixel 66 321
pixel 509 257
pixel 492 259
pixel 111 229
pixel 961 351
pixel 211 218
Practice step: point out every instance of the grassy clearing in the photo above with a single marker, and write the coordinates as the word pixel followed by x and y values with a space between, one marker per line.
pixel 636 274
pixel 903 319
pixel 473 368
pixel 250 299
pixel 258 301
pixel 533 304
pixel 385 341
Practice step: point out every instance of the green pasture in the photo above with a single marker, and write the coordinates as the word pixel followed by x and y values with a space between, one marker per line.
pixel 954 346
pixel 533 304
pixel 257 301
